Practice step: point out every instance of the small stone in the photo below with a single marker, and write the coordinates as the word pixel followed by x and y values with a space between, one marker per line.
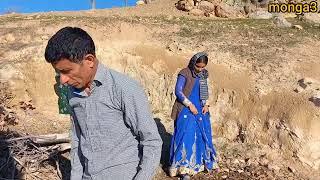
pixel 281 22
pixel 2 123
pixel 291 169
pixel 224 177
pixel 225 170
pixel 297 27
pixel 240 171
pixel 207 14
pixel 264 162
pixel 248 161
pixel 315 99
pixel 236 161
pixel 44 37
pixel 298 89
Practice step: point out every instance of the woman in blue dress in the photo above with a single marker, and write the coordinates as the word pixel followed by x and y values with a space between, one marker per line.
pixel 192 150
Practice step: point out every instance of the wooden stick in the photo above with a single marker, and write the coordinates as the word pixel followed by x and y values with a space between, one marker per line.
pixel 58 169
pixel 19 138
pixel 44 139
pixel 18 161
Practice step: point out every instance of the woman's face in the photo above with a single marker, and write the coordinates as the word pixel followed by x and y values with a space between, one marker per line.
pixel 198 67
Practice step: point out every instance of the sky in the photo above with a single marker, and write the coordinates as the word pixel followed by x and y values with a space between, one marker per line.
pixel 30 6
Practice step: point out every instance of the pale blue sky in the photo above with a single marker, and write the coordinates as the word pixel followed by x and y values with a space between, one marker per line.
pixel 29 6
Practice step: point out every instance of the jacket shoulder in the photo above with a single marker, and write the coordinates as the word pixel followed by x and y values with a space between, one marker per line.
pixel 185 72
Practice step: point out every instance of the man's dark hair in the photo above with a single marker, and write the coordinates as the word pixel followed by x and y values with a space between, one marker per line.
pixel 70 43
pixel 202 59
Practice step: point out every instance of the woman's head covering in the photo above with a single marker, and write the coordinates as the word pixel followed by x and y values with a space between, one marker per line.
pixel 203 75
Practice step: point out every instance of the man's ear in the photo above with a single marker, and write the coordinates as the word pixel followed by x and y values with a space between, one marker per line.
pixel 90 60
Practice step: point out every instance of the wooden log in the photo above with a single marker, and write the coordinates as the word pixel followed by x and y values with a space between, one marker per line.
pixel 45 140
pixel 51 139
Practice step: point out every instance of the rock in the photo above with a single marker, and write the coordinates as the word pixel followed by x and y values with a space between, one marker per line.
pixel 184 5
pixel 248 161
pixel 261 14
pixel 242 162
pixel 44 37
pixel 264 162
pixel 296 26
pixel 302 83
pixel 291 169
pixel 281 22
pixel 298 89
pixel 196 12
pixel 236 161
pixel 224 177
pixel 309 83
pixel 240 171
pixel 225 11
pixel 191 2
pixel 263 3
pixel 206 6
pixel 225 170
pixel 315 99
pixel 249 8
pixel 140 2
pixel 312 17
pixel 207 14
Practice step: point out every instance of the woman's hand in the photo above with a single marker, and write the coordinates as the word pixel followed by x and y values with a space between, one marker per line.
pixel 193 109
pixel 205 109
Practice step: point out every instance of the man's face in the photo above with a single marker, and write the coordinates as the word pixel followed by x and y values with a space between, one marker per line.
pixel 74 74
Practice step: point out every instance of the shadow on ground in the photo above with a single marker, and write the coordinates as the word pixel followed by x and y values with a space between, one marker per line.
pixel 166 138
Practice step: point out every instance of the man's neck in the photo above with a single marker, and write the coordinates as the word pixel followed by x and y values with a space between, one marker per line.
pixel 89 86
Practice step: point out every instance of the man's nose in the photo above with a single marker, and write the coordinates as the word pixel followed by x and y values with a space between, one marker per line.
pixel 64 79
